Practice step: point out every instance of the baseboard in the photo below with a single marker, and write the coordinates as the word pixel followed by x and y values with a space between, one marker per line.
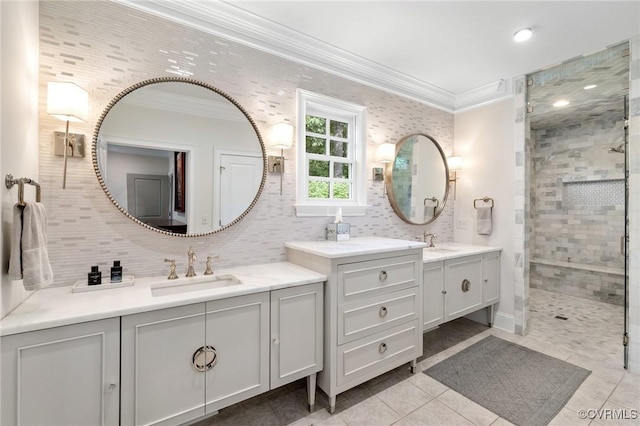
pixel 505 322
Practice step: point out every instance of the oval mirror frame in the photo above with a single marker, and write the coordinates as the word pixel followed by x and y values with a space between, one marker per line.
pixel 389 181
pixel 120 96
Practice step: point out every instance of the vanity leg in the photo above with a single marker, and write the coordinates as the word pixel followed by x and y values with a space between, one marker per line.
pixel 311 391
pixel 490 307
pixel 332 404
pixel 414 366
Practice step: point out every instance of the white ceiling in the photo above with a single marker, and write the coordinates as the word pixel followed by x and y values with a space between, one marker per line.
pixel 449 54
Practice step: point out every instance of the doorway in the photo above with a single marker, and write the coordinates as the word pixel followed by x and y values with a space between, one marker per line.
pixel 578 168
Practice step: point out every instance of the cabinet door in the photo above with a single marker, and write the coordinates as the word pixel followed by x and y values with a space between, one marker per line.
pixel 491 278
pixel 237 329
pixel 296 333
pixel 433 303
pixel 463 286
pixel 159 383
pixel 62 376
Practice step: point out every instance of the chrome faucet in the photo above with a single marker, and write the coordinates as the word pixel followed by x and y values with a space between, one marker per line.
pixel 191 255
pixel 430 237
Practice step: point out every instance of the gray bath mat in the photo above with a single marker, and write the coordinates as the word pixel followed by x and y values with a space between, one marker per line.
pixel 523 386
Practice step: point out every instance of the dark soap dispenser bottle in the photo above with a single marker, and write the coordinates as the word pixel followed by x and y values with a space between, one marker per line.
pixel 116 272
pixel 95 276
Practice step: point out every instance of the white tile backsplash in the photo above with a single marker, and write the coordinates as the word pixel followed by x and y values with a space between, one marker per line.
pixel 105 48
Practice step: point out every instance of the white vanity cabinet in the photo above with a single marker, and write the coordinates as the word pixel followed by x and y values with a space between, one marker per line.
pixel 182 363
pixel 433 304
pixel 372 309
pixel 463 286
pixel 64 375
pixel 179 364
pixel 296 335
pixel 459 285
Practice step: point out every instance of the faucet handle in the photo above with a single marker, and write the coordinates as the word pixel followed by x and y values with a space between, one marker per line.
pixel 209 271
pixel 172 269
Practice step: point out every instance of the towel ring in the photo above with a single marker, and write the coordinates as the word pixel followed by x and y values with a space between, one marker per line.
pixel 484 199
pixel 9 181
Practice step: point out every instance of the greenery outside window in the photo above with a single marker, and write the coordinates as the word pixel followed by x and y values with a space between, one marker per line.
pixel 331 156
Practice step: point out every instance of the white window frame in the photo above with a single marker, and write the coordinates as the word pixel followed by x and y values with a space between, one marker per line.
pixel 357 205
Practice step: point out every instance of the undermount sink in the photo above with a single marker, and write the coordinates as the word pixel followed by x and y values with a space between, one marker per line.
pixel 184 285
pixel 440 249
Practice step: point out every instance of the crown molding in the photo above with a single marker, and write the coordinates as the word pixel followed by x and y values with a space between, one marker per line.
pixel 482 95
pixel 232 23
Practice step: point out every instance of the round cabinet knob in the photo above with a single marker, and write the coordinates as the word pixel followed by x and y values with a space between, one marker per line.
pixel 466 285
pixel 383 276
pixel 111 387
pixel 276 341
pixel 382 348
pixel 383 312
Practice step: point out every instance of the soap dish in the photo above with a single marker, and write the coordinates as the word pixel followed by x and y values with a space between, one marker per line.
pixel 82 285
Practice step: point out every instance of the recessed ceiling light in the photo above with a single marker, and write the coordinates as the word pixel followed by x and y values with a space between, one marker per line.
pixel 560 103
pixel 522 35
pixel 589 87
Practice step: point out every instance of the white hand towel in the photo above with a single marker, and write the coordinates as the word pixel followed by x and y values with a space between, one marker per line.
pixel 29 257
pixel 483 220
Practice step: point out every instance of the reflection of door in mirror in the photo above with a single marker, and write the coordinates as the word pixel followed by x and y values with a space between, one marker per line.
pixel 140 181
pixel 239 181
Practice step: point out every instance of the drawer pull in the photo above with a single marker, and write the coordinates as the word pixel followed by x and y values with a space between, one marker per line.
pixel 466 285
pixel 204 358
pixel 382 348
pixel 383 276
pixel 383 312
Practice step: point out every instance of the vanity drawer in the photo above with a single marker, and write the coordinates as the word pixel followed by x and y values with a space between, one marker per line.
pixel 364 317
pixel 371 356
pixel 365 279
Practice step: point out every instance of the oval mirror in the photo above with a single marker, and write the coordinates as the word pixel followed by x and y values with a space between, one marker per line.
pixel 417 181
pixel 179 156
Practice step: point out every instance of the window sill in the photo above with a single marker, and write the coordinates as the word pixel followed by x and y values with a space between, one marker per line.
pixel 308 210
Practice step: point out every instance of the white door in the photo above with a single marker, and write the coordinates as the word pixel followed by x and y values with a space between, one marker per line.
pixel 237 331
pixel 160 385
pixel 296 333
pixel 240 177
pixel 62 376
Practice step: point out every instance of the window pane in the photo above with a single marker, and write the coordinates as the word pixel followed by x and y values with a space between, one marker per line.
pixel 339 149
pixel 316 145
pixel 318 189
pixel 338 128
pixel 316 124
pixel 318 168
pixel 342 190
pixel 341 170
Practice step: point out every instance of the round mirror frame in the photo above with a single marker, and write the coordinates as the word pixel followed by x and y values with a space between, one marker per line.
pixel 389 181
pixel 148 82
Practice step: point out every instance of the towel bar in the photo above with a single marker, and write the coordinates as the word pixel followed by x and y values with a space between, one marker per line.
pixel 9 181
pixel 484 199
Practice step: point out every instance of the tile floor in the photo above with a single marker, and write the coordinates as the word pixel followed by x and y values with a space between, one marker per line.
pixel 590 337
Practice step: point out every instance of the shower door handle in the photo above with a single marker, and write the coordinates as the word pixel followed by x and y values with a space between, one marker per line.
pixel 623 240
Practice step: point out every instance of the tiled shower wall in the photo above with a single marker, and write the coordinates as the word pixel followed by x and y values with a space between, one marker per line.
pixel 578 208
pixel 104 48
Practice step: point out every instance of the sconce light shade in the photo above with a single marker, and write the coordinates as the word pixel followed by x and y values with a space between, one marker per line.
pixel 281 136
pixel 386 152
pixel 455 163
pixel 67 101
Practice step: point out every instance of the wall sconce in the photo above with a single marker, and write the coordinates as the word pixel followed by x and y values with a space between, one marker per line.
pixel 386 152
pixel 280 137
pixel 68 102
pixel 454 162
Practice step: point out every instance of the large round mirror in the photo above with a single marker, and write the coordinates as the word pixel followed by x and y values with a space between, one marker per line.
pixel 417 181
pixel 179 156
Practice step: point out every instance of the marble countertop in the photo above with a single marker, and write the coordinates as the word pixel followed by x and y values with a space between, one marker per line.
pixel 58 306
pixel 354 246
pixel 445 251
